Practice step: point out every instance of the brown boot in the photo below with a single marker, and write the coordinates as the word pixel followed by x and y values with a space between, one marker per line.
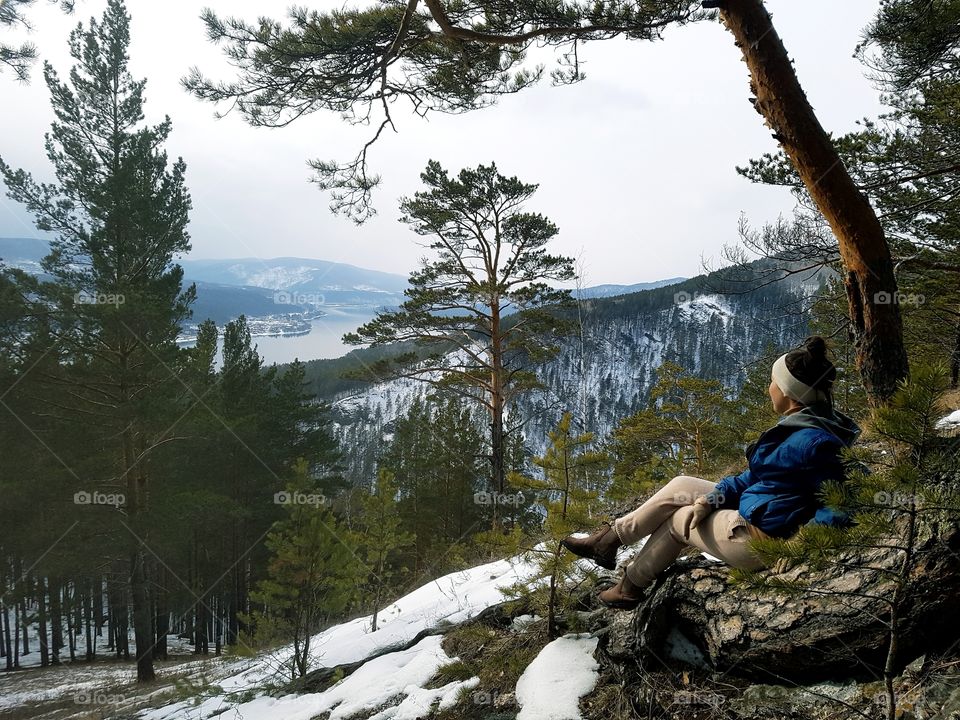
pixel 622 596
pixel 601 547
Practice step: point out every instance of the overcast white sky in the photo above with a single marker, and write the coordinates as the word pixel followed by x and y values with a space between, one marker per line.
pixel 635 164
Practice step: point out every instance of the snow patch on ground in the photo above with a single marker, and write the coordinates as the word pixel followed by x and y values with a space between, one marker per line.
pixel 19 690
pixel 445 602
pixel 949 422
pixel 395 679
pixel 521 622
pixel 176 646
pixel 102 688
pixel 552 685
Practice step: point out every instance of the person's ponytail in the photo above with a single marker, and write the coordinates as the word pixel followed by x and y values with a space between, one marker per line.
pixel 810 364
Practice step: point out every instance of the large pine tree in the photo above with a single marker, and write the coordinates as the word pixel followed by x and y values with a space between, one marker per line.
pixel 484 303
pixel 118 214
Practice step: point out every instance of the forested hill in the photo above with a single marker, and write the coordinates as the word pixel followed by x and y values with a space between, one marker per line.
pixel 711 325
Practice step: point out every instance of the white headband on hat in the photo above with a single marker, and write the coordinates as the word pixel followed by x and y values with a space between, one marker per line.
pixel 792 387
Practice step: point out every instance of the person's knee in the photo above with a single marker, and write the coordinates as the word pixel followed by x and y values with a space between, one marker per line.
pixel 685 489
pixel 678 521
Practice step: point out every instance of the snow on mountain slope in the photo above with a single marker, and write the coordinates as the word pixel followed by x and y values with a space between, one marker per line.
pixel 294 274
pixel 607 373
pixel 703 308
pixel 272 277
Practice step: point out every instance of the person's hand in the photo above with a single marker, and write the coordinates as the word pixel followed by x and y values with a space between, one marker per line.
pixel 701 508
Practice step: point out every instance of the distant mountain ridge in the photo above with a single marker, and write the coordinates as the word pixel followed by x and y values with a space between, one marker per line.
pixel 262 287
pixel 612 290
pixel 23 253
pixel 329 282
pixel 256 288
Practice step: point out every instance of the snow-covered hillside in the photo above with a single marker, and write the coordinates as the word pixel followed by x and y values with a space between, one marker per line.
pixel 392 671
pixel 607 374
pixel 391 683
pixel 396 676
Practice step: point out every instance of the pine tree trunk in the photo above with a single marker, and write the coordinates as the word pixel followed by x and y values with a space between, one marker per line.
pixel 377 596
pixel 234 620
pixel 88 610
pixel 201 644
pixel 24 622
pixel 211 625
pixel 56 621
pixel 141 617
pixel 231 620
pixel 8 643
pixel 98 605
pixel 955 358
pixel 496 443
pixel 306 614
pixel 121 622
pixel 218 625
pixel 76 615
pixel 870 282
pixel 552 603
pixel 112 619
pixel 242 595
pixel 16 636
pixel 136 507
pixel 496 399
pixel 5 620
pixel 162 620
pixel 42 621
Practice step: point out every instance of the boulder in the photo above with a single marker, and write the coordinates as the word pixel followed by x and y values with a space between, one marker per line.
pixel 694 616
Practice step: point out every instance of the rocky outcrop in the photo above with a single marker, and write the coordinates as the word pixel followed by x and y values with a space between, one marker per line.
pixel 835 630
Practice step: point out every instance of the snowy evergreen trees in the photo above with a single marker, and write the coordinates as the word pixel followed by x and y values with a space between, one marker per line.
pixel 688 429
pixel 436 459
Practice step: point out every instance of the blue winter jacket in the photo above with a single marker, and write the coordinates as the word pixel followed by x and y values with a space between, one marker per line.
pixel 787 466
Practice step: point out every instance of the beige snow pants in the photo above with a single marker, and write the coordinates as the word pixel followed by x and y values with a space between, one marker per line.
pixel 723 533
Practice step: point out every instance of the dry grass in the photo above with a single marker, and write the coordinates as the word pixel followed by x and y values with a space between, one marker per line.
pixel 498 656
